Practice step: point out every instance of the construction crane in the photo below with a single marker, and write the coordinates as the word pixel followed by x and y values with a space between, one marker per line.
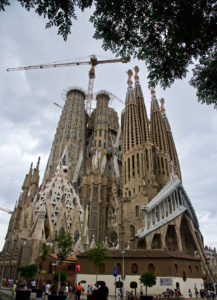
pixel 93 62
pixel 6 210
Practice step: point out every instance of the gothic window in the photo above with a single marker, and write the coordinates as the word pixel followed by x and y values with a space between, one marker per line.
pixel 156 242
pixel 76 236
pixel 147 160
pixel 128 162
pixel 162 164
pixel 100 132
pixel 134 268
pixel 129 193
pixel 125 173
pixel 133 165
pixel 138 171
pixel 132 231
pixel 190 269
pixel 94 205
pixel 137 211
pixel 100 143
pixel 94 222
pixel 151 268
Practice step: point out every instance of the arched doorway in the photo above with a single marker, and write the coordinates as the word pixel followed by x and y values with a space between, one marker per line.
pixel 156 242
pixel 188 243
pixel 171 238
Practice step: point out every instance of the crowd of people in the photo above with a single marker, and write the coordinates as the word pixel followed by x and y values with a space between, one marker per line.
pixel 99 291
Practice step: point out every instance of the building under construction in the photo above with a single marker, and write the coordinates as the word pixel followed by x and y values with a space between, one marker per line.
pixel 111 181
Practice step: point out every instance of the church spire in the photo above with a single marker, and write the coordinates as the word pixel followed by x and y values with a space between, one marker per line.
pixel 159 140
pixel 130 97
pixel 170 141
pixel 142 113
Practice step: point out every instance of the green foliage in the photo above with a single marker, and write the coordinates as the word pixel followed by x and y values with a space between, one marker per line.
pixel 148 279
pixel 168 34
pixel 28 272
pixel 45 251
pixel 63 276
pixel 98 254
pixel 64 243
pixel 3 3
pixel 205 79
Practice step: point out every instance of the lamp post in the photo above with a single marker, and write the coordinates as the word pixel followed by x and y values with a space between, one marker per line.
pixel 122 246
pixel 5 255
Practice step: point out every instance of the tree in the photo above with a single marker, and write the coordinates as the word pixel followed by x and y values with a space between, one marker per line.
pixel 148 279
pixel 167 34
pixel 62 276
pixel 64 245
pixel 45 250
pixel 28 272
pixel 98 255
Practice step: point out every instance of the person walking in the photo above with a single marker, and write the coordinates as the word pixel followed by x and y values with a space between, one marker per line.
pixel 78 291
pixel 66 290
pixel 46 290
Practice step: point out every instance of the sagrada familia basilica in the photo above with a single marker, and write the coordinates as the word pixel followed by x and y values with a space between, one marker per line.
pixel 107 180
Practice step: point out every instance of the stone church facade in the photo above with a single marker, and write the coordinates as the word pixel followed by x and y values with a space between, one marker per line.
pixel 118 184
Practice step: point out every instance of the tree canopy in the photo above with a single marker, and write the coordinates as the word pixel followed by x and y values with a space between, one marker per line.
pixel 98 254
pixel 62 275
pixel 45 250
pixel 169 35
pixel 64 245
pixel 28 272
pixel 148 279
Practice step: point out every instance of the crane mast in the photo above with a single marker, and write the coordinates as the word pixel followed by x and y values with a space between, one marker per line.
pixel 93 62
pixel 6 210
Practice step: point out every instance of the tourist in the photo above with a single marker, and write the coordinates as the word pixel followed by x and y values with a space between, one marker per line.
pixel 14 289
pixel 190 293
pixel 33 284
pixel 66 290
pixel 141 290
pixel 88 289
pixel 202 293
pixel 78 291
pixel 46 290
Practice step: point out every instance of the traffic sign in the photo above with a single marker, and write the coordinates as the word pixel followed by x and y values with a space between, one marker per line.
pixel 77 268
pixel 115 272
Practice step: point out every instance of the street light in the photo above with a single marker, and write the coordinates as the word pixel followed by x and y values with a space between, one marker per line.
pixel 5 255
pixel 122 244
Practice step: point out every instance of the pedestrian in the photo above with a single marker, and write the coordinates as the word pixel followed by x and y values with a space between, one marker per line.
pixel 88 289
pixel 14 289
pixel 141 290
pixel 120 293
pixel 202 293
pixel 33 284
pixel 190 293
pixel 46 290
pixel 66 290
pixel 70 291
pixel 78 291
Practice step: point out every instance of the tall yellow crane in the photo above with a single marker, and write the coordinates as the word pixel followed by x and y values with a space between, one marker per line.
pixel 93 62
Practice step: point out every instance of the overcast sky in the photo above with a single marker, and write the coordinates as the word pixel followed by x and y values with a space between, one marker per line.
pixel 29 118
